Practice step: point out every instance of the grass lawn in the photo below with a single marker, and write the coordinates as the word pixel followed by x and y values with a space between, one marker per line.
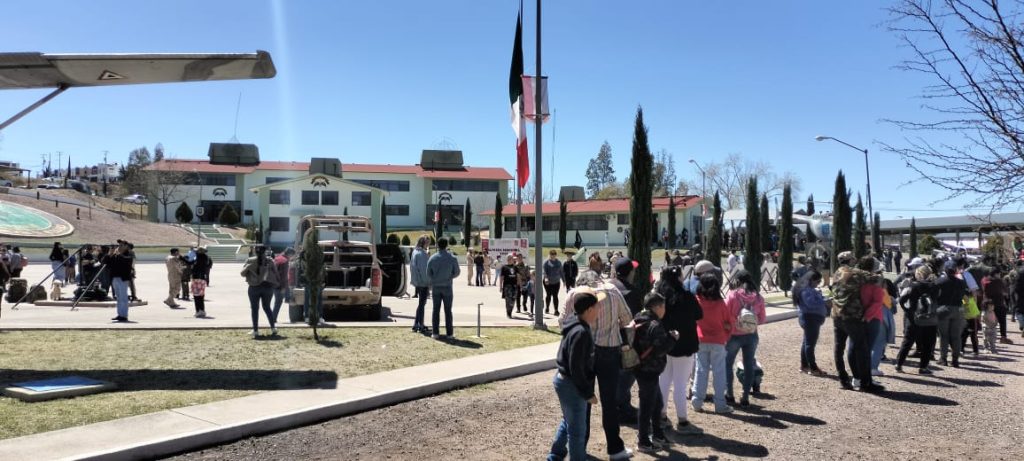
pixel 162 369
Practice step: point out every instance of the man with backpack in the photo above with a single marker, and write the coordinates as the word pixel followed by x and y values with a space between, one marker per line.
pixel 848 322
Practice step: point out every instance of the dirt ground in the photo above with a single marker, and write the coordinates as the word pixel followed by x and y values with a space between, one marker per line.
pixel 974 412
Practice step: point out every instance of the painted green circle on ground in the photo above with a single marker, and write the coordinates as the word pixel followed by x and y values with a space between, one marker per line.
pixel 21 221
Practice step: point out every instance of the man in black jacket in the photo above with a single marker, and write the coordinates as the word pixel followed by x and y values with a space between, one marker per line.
pixel 570 270
pixel 634 300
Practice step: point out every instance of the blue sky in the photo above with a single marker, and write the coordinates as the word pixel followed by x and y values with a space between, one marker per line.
pixel 377 82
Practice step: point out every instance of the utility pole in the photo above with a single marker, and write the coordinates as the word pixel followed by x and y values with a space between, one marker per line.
pixel 105 168
pixel 538 201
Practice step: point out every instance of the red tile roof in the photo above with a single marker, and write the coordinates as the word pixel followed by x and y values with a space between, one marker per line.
pixel 204 166
pixel 615 205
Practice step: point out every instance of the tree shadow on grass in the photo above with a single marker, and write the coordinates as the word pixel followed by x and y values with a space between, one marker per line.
pixel 919 381
pixel 190 380
pixel 914 397
pixel 734 448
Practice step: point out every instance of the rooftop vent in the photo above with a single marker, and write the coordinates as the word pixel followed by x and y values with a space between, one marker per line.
pixel 571 193
pixel 450 160
pixel 329 166
pixel 234 154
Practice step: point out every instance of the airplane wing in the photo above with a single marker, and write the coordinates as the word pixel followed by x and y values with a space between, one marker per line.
pixel 39 70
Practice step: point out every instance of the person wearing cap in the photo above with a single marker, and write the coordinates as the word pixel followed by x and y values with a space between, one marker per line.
pixel 552 280
pixel 612 315
pixel 623 281
pixel 849 326
pixel 702 267
pixel 173 263
pixel 950 298
pixel 574 381
pixel 682 311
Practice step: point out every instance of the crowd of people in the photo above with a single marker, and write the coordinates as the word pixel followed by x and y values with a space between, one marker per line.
pixel 614 335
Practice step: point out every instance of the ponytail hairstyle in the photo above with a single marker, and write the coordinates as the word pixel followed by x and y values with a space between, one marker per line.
pixel 743 280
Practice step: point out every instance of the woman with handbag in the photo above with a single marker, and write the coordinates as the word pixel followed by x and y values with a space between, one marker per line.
pixel 259 273
pixel 922 319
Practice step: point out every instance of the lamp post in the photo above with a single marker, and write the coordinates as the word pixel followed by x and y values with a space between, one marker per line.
pixel 867 171
pixel 703 203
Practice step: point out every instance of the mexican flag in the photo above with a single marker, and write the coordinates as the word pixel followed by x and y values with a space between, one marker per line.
pixel 515 97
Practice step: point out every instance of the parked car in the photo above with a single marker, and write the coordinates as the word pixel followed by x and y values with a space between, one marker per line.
pixel 6 183
pixel 136 199
pixel 357 270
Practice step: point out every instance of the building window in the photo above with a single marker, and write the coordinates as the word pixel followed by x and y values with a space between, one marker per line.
pixel 208 179
pixel 587 222
pixel 360 198
pixel 310 197
pixel 329 197
pixel 280 197
pixel 464 186
pixel 396 210
pixel 623 219
pixel 452 214
pixel 279 225
pixel 388 185
pixel 271 180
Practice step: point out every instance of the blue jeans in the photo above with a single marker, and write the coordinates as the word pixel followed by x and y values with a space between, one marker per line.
pixel 443 294
pixel 479 275
pixel 121 292
pixel 876 340
pixel 812 329
pixel 319 303
pixel 748 343
pixel 279 296
pixel 260 296
pixel 422 293
pixel 571 435
pixel 710 358
pixel 607 366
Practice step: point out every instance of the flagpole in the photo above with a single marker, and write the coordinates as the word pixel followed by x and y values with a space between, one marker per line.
pixel 519 204
pixel 538 190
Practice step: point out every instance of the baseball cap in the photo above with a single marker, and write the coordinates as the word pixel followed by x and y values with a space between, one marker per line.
pixel 703 266
pixel 586 290
pixel 623 266
pixel 916 262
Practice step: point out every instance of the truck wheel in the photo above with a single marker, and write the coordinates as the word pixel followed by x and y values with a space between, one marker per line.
pixel 374 312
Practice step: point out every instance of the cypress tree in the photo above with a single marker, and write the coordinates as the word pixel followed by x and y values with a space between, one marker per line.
pixel 713 237
pixel 563 221
pixel 841 220
pixel 765 225
pixel 467 225
pixel 876 239
pixel 860 247
pixel 183 214
pixel 810 205
pixel 752 256
pixel 640 213
pixel 671 222
pixel 785 227
pixel 913 238
pixel 499 221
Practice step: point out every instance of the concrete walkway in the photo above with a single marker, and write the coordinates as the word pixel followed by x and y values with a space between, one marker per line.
pixel 190 428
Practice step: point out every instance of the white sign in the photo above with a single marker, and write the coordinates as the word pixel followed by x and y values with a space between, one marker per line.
pixel 500 247
pixel 199 211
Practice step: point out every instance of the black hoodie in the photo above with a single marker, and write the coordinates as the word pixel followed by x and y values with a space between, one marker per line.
pixel 576 356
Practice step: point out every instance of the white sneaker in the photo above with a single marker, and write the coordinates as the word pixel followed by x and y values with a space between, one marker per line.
pixel 724 410
pixel 273 331
pixel 626 453
pixel 254 333
pixel 877 372
pixel 855 382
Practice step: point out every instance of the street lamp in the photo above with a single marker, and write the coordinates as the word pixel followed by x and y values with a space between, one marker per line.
pixel 703 203
pixel 867 171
